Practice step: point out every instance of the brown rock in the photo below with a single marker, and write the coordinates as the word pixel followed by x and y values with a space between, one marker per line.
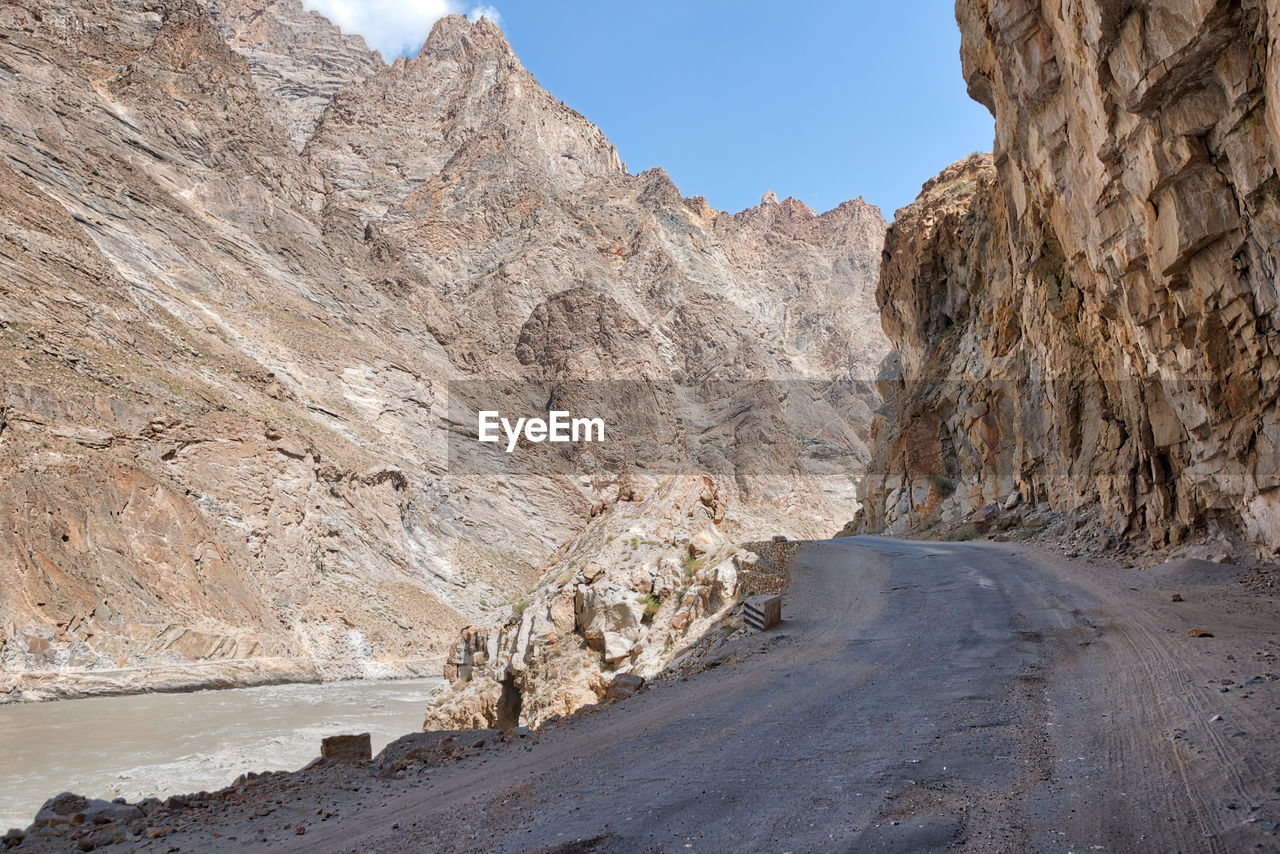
pixel 347 749
pixel 1090 316
pixel 623 686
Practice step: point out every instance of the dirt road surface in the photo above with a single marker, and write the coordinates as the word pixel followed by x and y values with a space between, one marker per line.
pixel 919 696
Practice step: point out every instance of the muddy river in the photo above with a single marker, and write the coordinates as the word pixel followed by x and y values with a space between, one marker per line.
pixel 162 744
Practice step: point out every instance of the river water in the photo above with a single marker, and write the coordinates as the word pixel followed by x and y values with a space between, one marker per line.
pixel 162 744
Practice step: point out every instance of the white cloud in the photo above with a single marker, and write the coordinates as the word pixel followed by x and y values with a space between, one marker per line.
pixel 394 27
pixel 485 11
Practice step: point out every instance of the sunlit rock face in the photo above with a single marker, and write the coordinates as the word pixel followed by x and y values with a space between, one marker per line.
pixel 255 284
pixel 1089 319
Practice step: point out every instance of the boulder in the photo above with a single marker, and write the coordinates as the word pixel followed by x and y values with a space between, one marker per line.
pixel 431 748
pixel 641 578
pixel 610 609
pixel 667 577
pixel 623 686
pixel 617 646
pixel 706 540
pixel 347 749
pixel 68 808
pixel 561 611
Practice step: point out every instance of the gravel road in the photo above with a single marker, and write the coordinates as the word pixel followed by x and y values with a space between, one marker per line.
pixel 918 696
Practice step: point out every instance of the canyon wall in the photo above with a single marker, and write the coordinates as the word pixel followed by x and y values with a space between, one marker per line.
pixel 1087 321
pixel 255 284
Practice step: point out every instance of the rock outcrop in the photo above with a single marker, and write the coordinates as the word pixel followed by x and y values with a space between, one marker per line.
pixel 255 285
pixel 619 604
pixel 298 59
pixel 1088 321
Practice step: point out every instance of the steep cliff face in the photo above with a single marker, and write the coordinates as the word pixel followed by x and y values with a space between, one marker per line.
pixel 1091 323
pixel 257 283
pixel 298 59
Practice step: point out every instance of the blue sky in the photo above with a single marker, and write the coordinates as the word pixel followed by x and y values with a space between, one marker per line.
pixel 823 100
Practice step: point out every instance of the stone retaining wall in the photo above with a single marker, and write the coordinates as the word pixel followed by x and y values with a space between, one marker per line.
pixel 770 571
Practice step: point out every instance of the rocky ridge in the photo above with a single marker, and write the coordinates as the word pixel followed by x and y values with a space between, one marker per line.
pixel 256 285
pixel 1085 324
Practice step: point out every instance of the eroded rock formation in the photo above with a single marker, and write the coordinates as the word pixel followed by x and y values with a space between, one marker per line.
pixel 255 284
pixel 611 603
pixel 1088 322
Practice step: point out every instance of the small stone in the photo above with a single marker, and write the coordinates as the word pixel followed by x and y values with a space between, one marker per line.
pixel 299 829
pixel 1177 597
pixel 1199 633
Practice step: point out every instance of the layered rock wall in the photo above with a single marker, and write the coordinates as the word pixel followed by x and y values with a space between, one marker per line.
pixel 255 285
pixel 1089 321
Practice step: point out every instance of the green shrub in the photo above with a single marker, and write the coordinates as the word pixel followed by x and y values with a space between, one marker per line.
pixel 690 564
pixel 942 484
pixel 962 534
pixel 651 605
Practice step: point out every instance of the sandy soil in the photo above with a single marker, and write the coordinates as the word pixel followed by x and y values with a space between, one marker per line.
pixel 919 695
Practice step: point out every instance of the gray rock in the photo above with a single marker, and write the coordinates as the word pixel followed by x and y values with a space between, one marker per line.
pixel 68 808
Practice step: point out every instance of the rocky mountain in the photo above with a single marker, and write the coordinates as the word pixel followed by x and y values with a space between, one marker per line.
pixel 297 58
pixel 1087 322
pixel 256 285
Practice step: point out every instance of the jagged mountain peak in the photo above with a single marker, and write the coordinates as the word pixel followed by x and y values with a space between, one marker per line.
pixel 464 101
pixel 299 59
pixel 458 38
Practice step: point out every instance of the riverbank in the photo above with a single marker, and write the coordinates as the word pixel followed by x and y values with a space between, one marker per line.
pixel 72 684
pixel 149 745
pixel 37 686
